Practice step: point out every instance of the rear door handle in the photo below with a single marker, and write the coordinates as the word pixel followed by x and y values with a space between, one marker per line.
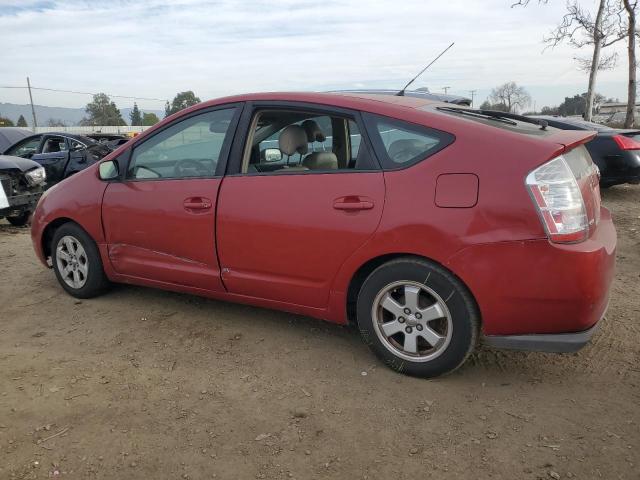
pixel 197 204
pixel 352 203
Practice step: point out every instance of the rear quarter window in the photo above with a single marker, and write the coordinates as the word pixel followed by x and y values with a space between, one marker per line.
pixel 400 144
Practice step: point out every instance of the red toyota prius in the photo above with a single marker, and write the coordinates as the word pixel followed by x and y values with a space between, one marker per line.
pixel 430 226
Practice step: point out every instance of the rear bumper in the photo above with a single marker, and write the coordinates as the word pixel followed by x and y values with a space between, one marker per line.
pixel 536 287
pixel 550 342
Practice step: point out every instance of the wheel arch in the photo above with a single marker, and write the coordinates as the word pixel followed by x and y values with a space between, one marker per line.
pixel 50 230
pixel 361 274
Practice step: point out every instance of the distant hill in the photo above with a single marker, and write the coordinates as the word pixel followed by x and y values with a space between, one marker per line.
pixel 70 116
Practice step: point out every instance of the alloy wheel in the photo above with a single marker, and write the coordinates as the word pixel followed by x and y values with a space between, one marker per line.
pixel 72 262
pixel 412 321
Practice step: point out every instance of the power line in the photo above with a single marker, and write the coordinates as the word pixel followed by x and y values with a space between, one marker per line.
pixel 82 93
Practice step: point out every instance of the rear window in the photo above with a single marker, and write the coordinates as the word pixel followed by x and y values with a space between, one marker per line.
pixel 401 144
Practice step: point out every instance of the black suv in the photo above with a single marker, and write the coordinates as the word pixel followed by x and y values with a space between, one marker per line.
pixel 22 182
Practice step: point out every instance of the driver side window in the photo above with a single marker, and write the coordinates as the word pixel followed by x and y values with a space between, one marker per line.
pixel 187 149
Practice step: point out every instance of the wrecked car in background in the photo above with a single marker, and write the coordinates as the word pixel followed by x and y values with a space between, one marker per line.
pixel 22 183
pixel 61 154
pixel 11 135
pixel 112 140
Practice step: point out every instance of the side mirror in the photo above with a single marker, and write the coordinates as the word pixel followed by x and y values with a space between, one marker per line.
pixel 109 170
pixel 272 155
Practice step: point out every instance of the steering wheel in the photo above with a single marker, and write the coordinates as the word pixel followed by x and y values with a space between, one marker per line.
pixel 190 168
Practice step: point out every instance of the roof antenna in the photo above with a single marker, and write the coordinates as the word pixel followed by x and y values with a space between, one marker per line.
pixel 401 92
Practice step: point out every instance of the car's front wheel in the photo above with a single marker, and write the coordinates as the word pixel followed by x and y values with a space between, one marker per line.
pixel 77 263
pixel 417 317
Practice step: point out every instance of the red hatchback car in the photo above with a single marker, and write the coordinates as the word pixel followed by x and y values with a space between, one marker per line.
pixel 427 225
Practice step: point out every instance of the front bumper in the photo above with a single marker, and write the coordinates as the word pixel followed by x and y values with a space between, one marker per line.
pixel 19 204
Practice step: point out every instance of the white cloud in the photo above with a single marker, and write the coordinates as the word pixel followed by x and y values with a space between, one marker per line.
pixel 152 48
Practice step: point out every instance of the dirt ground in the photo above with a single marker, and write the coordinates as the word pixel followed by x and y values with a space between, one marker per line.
pixel 147 384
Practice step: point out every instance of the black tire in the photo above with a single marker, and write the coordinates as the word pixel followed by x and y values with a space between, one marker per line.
pixel 19 220
pixel 95 282
pixel 462 318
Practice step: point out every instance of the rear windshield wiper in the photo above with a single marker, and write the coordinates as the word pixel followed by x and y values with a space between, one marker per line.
pixel 476 113
pixel 505 117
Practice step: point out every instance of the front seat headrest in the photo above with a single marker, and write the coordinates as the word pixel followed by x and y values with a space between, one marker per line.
pixel 293 139
pixel 314 132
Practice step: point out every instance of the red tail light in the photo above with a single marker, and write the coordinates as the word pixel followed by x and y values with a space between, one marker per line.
pixel 566 193
pixel 626 143
pixel 557 195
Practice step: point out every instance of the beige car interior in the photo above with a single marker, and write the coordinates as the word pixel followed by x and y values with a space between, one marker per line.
pixel 300 141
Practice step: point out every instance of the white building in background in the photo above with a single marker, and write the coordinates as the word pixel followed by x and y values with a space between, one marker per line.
pixel 615 107
pixel 124 130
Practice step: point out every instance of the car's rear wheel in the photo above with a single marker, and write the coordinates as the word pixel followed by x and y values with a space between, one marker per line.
pixel 19 220
pixel 77 263
pixel 417 317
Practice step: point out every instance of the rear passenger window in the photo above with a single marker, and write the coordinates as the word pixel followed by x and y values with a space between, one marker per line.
pixel 400 144
pixel 296 141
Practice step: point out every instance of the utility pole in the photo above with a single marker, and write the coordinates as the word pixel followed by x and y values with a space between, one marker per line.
pixel 473 94
pixel 33 110
pixel 446 89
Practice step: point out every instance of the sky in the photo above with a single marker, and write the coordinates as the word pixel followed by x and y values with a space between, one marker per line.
pixel 154 49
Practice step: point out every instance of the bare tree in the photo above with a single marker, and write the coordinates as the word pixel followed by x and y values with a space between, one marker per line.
pixel 511 96
pixel 607 62
pixel 524 3
pixel 55 122
pixel 580 28
pixel 630 8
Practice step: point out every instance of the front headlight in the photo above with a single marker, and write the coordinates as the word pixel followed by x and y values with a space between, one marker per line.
pixel 37 176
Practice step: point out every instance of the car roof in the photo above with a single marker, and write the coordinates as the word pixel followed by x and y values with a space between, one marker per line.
pixel 73 136
pixel 331 98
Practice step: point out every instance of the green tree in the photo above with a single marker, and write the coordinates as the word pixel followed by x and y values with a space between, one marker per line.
pixel 22 122
pixel 149 119
pixel 102 111
pixel 135 116
pixel 181 101
pixel 5 122
pixel 576 105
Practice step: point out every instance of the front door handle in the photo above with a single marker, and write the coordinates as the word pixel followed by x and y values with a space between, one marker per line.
pixel 197 204
pixel 352 203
